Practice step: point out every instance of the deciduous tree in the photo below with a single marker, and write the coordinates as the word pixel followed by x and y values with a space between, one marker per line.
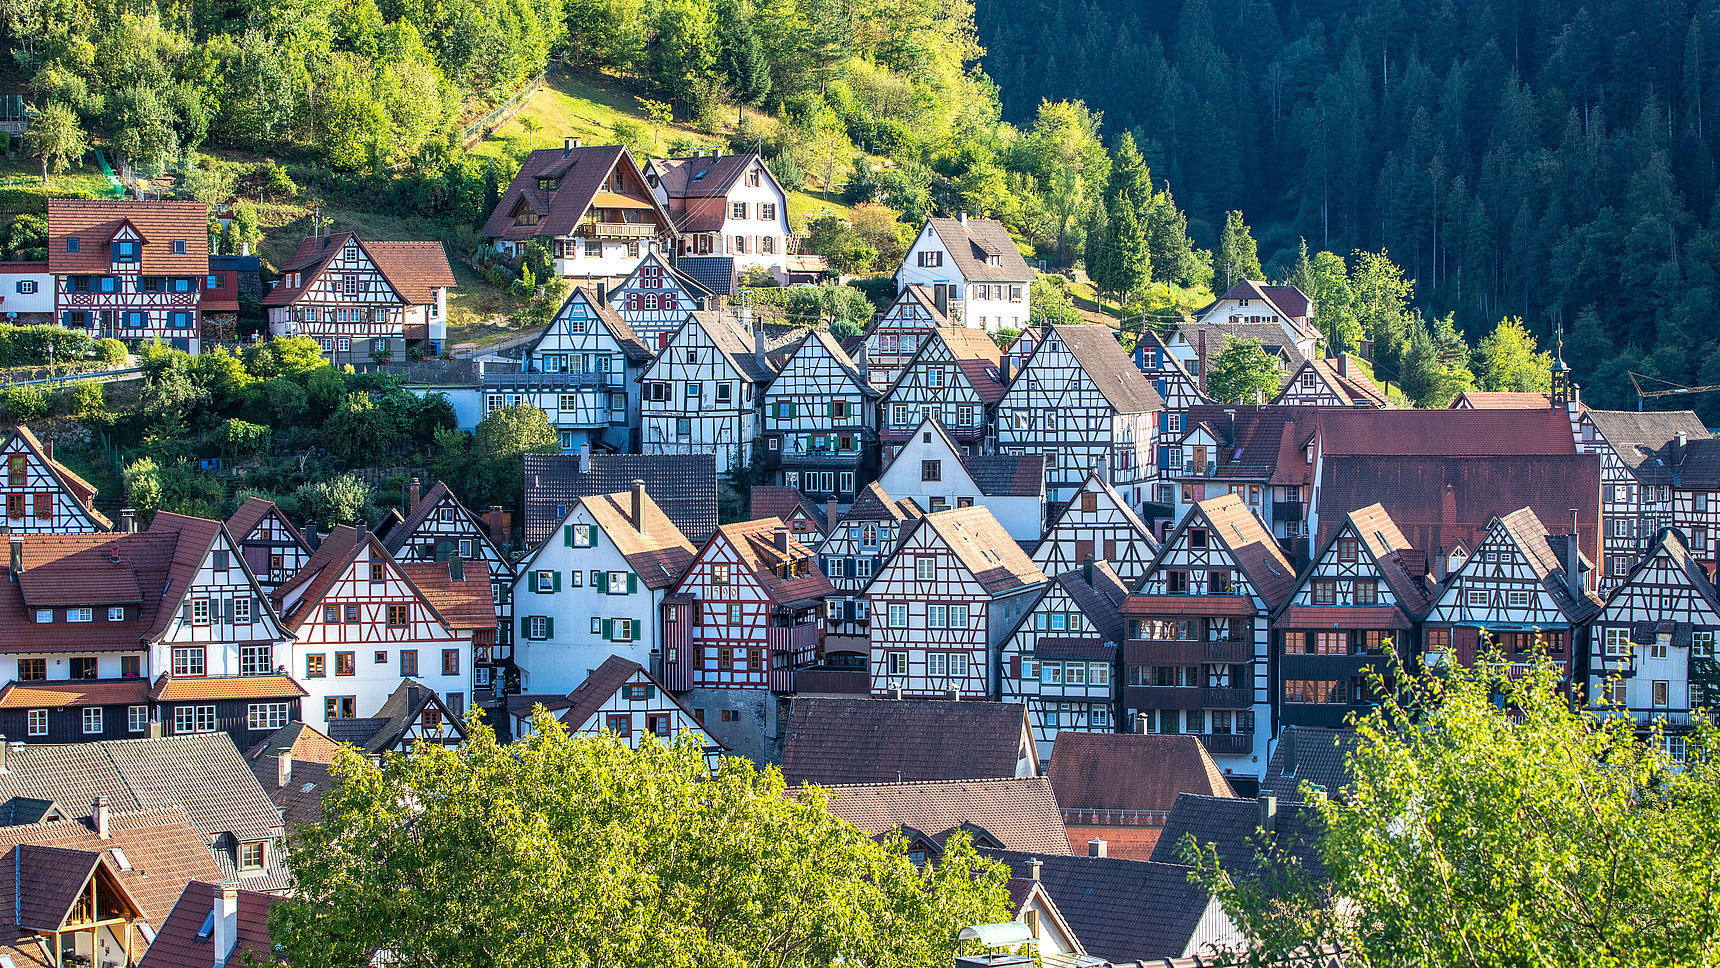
pixel 1243 372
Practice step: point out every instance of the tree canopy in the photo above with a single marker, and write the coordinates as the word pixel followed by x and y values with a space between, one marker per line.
pixel 557 851
pixel 1243 372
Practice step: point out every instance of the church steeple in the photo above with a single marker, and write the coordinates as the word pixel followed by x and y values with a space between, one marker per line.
pixel 1560 390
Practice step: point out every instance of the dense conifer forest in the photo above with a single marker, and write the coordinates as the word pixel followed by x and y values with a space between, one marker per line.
pixel 1548 159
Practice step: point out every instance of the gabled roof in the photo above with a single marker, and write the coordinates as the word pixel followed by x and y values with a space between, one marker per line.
pixel 458 589
pixel 1020 813
pixel 251 513
pixel 1121 910
pixel 912 293
pixel 1643 440
pixel 50 880
pixel 1500 400
pixel 996 475
pixel 1096 350
pixel 180 943
pixel 714 273
pixel 1524 529
pixel 1233 826
pixel 1671 543
pixel 300 800
pixel 1099 593
pixel 588 697
pixel 1391 552
pixel 978 358
pixel 873 504
pixel 972 241
pixel 1250 545
pixel 279 685
pixel 1272 338
pixel 95 223
pixel 686 282
pixel 754 541
pixel 1352 388
pixel 896 740
pixel 684 486
pixel 337 553
pixel 1287 300
pixel 1312 755
pixel 414 270
pixel 580 174
pixel 657 550
pixel 1097 481
pixel 403 531
pixel 1131 771
pixel 771 501
pixel 984 548
pixel 696 187
pixel 740 349
pixel 629 341
pixel 1444 433
pixel 82 492
pixel 402 710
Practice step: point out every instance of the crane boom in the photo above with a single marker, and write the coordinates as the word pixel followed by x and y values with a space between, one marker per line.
pixel 1672 389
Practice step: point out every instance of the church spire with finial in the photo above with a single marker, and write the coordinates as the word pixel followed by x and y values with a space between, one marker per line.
pixel 1560 389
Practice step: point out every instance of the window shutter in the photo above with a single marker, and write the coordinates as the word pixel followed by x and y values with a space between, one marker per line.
pixel 636 625
pixel 608 629
pixel 556 581
pixel 567 535
pixel 549 627
pixel 531 580
pixel 602 584
pixel 632 585
pixel 185 612
pixel 1015 667
pixel 227 610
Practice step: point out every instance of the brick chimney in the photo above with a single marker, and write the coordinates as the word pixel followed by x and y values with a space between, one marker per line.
pixel 830 516
pixel 99 817
pixel 781 538
pixel 953 695
pixel 17 558
pixel 1141 723
pixel 497 523
pixel 414 494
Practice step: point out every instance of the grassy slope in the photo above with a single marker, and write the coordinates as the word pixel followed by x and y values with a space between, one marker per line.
pixel 21 188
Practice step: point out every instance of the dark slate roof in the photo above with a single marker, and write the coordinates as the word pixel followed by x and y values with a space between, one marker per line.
pixel 683 485
pixel 1545 556
pixel 1700 469
pixel 399 712
pixel 1307 754
pixel 300 801
pixel 1233 826
pixel 1643 439
pixel 971 241
pixel 1100 595
pixel 895 740
pixel 1121 910
pixel 714 273
pixel 1020 813
pixel 1007 475
pixel 1097 351
pixel 1132 771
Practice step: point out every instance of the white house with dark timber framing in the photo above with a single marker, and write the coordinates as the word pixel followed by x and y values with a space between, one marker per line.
pixel 620 697
pixel 725 204
pixel 956 377
pixel 895 336
pixel 363 301
pixel 935 472
pixel 944 603
pixel 820 422
pixel 44 496
pixel 273 548
pixel 985 280
pixel 655 298
pixel 583 373
pixel 858 546
pixel 1097 525
pixel 701 394
pixel 1080 402
pixel 1063 659
pixel 1181 392
pixel 596 589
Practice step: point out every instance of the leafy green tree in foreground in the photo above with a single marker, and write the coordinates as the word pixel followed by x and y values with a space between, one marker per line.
pixel 560 852
pixel 1243 371
pixel 1488 824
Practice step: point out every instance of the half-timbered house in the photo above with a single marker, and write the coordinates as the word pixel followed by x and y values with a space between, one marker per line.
pixel 273 548
pixel 583 373
pixel 858 546
pixel 591 205
pixel 1651 646
pixel 957 378
pixel 747 612
pixel 1063 658
pixel 1280 317
pixel 810 522
pixel 363 301
pixel 701 394
pixel 935 472
pixel 596 589
pixel 623 698
pixel 413 713
pixel 1521 596
pixel 1356 604
pixel 361 627
pixel 725 204
pixel 1643 477
pixel 438 528
pixel 987 284
pixel 44 496
pixel 895 336
pixel 1197 658
pixel 1078 401
pixel 1181 392
pixel 942 605
pixel 129 270
pixel 1097 524
pixel 655 298
pixel 820 422
pixel 1332 383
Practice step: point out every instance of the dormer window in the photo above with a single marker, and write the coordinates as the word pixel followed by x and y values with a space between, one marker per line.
pixel 527 217
pixel 994 260
pixel 252 855
pixel 126 250
pixel 548 184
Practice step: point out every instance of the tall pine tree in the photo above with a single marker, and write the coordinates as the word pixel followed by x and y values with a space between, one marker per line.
pixel 1237 257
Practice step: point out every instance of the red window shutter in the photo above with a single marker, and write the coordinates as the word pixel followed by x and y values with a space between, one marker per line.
pixel 1015 667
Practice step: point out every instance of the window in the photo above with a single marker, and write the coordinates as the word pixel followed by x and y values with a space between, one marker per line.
pixel 1517 598
pixel 734 614
pixel 396 615
pixel 1661 689
pixel 38 722
pixel 931 470
pixel 1347 547
pixel 266 715
pixel 898 616
pixel 351 613
pixel 80 615
pixel 408 662
pixel 1366 593
pixel 345 663
pixel 241 612
pixel 256 660
pixel 251 856
pixel 30 670
pixel 92 721
pixel 316 666
pixel 958 617
pixel 188 661
pixel 720 573
pixel 340 707
pixel 27 286
pixel 925 568
pixel 200 611
pixel 1702 644
pixel 194 719
pixel 331 614
pixel 1476 598
pixel 450 662
pixel 897 663
pixel 537 627
pixel 136 719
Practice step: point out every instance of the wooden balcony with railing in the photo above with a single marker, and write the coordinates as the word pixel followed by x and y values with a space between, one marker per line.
pixel 1227 744
pixel 594 229
pixel 820 680
pixel 1187 651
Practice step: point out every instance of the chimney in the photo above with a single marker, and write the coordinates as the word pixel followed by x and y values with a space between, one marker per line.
pixel 284 768
pixel 3 747
pixel 962 218
pixel 1230 428
pixel 1574 561
pixel 414 493
pixel 953 695
pixel 1033 867
pixel 1200 355
pixel 17 558
pixel 895 691
pixel 638 509
pixel 758 347
pixel 1678 445
pixel 127 520
pixel 1087 572
pixel 1006 369
pixel 830 516
pixel 1098 848
pixel 602 293
pixel 1268 813
pixel 1343 366
pixel 941 298
pixel 1102 467
pixel 585 457
pixel 99 817
pixel 568 145
pixel 224 931
pixel 497 524
pixel 48 448
pixel 781 537
pixel 1141 723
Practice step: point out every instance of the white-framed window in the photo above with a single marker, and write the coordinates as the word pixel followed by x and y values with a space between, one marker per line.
pixel 38 722
pixel 266 715
pixel 136 719
pixel 1702 644
pixel 833 609
pixel 256 660
pixel 898 615
pixel 1617 643
pixel 44 616
pixel 116 613
pixel 200 611
pixel 188 661
pixel 958 617
pixel 241 611
pixel 194 719
pixel 897 663
pixel 80 614
pixel 925 568
pixel 936 616
pixel 862 568
pixel 1517 598
pixel 1476 597
pixel 92 720
pixel 537 627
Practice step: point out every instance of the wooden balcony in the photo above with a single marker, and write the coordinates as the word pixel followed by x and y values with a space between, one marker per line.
pixel 821 456
pixel 1228 744
pixel 1188 606
pixel 593 229
pixel 836 682
pixel 1288 510
pixel 1213 698
pixel 1187 652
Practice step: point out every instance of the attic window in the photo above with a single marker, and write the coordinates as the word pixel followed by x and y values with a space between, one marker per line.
pixel 548 184
pixel 698 175
pixel 178 246
pixel 120 859
pixel 994 260
pixel 208 927
pixel 72 244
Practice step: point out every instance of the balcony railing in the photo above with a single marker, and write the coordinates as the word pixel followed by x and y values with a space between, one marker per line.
pixel 591 228
pixel 1187 652
pixel 1228 744
pixel 1288 510
pixel 841 682
pixel 1099 817
pixel 1215 698
pixel 551 382
pixel 820 456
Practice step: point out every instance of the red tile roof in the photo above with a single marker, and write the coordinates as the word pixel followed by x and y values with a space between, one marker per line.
pixel 697 188
pixel 95 223
pixel 1019 813
pixel 579 174
pixel 982 545
pixel 657 550
pixel 179 942
pixel 1131 771
pixel 81 491
pixel 466 603
pixel 1313 617
pixel 1251 546
pixel 412 269
pixel 170 689
pixel 755 541
pixel 63 693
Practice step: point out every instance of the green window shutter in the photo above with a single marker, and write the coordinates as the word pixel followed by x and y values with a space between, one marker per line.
pixel 602 582
pixel 549 627
pixel 567 535
pixel 636 623
pixel 557 581
pixel 594 533
pixel 608 628
pixel 792 407
pixel 632 583
pixel 833 408
pixel 531 580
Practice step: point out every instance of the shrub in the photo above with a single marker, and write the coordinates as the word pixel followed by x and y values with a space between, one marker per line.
pixel 26 404
pixel 87 399
pixel 110 352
